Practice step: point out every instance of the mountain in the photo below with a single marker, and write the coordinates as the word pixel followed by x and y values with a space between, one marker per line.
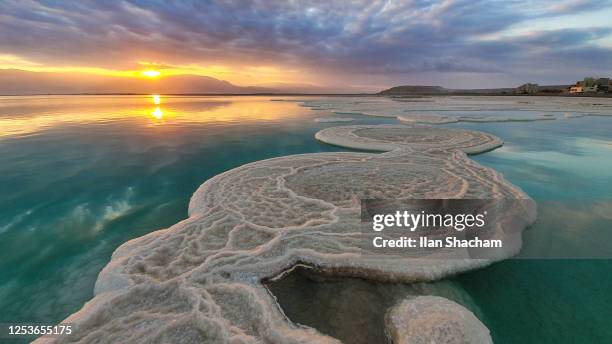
pixel 20 82
pixel 413 89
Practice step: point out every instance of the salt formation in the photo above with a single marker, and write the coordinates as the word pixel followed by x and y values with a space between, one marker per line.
pixel 443 119
pixel 333 119
pixel 199 281
pixel 480 108
pixel 432 319
pixel 573 115
pixel 427 119
pixel 389 137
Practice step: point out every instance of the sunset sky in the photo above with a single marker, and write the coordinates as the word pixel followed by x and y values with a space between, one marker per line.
pixel 332 45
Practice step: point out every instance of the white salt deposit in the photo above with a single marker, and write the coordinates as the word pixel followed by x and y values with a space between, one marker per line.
pixel 443 119
pixel 483 108
pixel 199 281
pixel 420 138
pixel 333 119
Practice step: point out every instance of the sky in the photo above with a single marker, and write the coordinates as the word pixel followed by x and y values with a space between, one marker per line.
pixel 333 45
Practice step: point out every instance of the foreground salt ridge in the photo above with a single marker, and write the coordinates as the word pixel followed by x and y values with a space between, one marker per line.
pixel 430 110
pixel 199 280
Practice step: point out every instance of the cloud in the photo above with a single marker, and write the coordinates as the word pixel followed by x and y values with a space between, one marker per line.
pixel 392 39
pixel 575 6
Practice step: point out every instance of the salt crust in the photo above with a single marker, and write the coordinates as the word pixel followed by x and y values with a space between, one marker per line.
pixel 199 281
pixel 434 110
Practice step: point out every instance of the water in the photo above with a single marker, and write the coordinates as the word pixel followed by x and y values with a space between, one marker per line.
pixel 80 175
pixel 566 166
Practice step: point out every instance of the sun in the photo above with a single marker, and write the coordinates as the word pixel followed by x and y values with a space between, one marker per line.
pixel 150 73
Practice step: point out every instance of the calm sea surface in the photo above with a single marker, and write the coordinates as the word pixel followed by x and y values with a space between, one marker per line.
pixel 79 175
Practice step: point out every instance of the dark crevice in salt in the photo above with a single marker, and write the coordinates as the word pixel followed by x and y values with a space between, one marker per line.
pixel 348 308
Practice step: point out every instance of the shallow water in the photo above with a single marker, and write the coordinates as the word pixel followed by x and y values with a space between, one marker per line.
pixel 82 174
pixel 566 166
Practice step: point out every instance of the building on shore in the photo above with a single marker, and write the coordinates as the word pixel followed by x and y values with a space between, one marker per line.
pixel 591 85
pixel 577 88
pixel 527 88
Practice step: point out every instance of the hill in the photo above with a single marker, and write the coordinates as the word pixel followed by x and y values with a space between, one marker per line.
pixel 439 90
pixel 20 82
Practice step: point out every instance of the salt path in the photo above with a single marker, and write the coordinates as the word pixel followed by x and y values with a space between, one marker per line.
pixel 199 281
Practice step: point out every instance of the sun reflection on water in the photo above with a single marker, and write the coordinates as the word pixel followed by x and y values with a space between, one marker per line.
pixel 24 115
pixel 157 113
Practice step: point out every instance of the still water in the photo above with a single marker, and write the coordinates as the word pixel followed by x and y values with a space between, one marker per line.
pixel 79 175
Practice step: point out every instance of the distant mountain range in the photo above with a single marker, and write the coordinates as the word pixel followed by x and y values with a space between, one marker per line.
pixel 20 82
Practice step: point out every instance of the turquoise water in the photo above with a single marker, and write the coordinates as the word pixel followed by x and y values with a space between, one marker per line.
pixel 566 166
pixel 80 175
